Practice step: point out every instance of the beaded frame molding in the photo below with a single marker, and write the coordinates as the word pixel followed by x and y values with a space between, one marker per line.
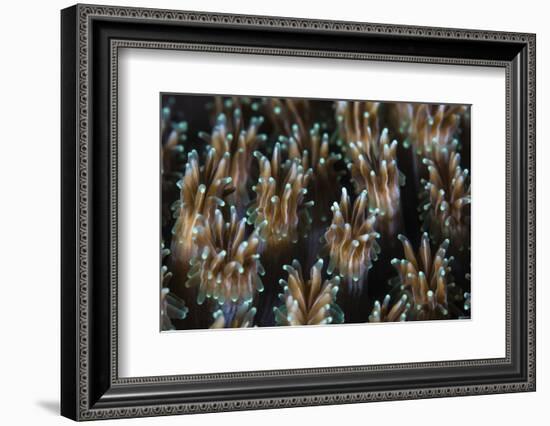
pixel 91 37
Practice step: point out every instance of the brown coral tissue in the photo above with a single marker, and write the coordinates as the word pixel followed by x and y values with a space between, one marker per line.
pixel 312 212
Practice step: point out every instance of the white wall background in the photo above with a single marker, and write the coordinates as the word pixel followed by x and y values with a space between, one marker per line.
pixel 29 211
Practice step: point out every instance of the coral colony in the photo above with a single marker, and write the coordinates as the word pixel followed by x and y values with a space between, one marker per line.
pixel 284 212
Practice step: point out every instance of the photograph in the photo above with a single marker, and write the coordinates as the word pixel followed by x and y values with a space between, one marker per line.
pixel 273 207
pixel 279 211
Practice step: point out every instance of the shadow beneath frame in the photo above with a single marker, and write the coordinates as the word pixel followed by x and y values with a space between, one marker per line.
pixel 51 406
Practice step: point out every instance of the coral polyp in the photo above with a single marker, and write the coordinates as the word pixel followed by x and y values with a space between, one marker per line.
pixel 313 150
pixel 173 137
pixel 280 206
pixel 372 160
pixel 172 149
pixel 292 211
pixel 446 212
pixel 287 116
pixel 226 268
pixel 231 136
pixel 430 127
pixel 172 158
pixel 234 316
pixel 308 302
pixel 202 190
pixel 390 313
pixel 425 277
pixel 352 240
pixel 171 306
pixel 357 121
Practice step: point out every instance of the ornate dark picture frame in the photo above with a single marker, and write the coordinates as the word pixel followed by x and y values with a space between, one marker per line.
pixel 90 38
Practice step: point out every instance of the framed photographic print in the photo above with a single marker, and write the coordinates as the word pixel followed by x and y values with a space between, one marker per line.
pixel 263 212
